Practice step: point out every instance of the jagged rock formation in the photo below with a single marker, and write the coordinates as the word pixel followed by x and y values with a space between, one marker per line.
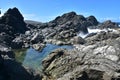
pixel 11 25
pixel 63 28
pixel 97 59
pixel 94 58
pixel 12 22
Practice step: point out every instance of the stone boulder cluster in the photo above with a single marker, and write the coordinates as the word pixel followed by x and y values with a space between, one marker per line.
pixel 12 25
pixel 95 57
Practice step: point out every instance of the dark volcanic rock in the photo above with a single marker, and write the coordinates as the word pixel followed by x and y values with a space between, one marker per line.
pixel 72 21
pixel 64 27
pixel 12 70
pixel 109 24
pixel 67 26
pixel 68 17
pixel 13 22
pixel 5 39
pixel 101 36
pixel 11 25
pixel 92 20
pixel 17 43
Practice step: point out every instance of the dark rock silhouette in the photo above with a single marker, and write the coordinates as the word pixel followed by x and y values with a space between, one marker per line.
pixel 92 20
pixel 12 22
pixel 11 25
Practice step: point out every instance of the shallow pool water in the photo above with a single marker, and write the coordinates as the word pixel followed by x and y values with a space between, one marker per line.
pixel 33 58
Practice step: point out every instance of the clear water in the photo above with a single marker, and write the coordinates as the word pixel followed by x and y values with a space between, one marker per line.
pixel 33 58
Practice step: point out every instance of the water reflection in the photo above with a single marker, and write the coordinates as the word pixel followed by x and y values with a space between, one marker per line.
pixel 33 58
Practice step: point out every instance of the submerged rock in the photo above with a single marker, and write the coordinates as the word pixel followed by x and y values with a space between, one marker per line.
pixel 38 46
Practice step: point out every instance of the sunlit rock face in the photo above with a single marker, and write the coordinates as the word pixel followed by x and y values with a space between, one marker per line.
pixel 77 22
pixel 97 59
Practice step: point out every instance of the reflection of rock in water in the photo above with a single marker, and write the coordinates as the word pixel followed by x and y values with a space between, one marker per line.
pixel 10 69
pixel 34 58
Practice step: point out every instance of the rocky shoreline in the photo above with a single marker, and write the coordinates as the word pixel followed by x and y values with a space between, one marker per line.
pixel 95 57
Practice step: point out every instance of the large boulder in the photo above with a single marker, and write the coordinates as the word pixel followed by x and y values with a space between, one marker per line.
pixel 72 21
pixel 37 38
pixel 92 20
pixel 13 22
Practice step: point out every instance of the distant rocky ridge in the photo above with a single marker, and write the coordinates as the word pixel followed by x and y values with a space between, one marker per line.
pixel 95 57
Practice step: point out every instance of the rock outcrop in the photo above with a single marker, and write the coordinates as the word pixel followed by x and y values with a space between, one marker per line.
pixel 11 25
pixel 92 20
pixel 12 70
pixel 109 24
pixel 12 22
pixel 97 59
pixel 65 27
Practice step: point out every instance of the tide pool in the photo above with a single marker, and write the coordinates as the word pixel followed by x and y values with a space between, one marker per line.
pixel 33 58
